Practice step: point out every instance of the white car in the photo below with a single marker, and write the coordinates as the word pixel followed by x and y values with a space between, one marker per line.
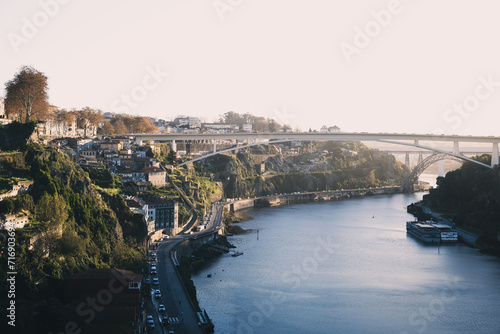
pixel 161 307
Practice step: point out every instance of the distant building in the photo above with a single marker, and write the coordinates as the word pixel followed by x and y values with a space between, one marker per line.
pixel 54 127
pixel 192 122
pixel 155 175
pixel 247 128
pixel 334 129
pixel 111 145
pixel 14 220
pixel 220 127
pixel 18 188
pixel 331 129
pixel 164 212
pixel 89 154
pixel 2 107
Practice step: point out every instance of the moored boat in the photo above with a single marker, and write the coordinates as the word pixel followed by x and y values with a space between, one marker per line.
pixel 429 231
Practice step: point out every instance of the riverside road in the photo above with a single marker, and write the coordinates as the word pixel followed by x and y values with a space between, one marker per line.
pixel 178 308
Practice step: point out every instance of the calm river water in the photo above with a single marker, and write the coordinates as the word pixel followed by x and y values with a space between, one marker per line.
pixel 348 267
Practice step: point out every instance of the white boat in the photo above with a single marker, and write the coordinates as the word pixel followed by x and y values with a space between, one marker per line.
pixel 448 233
pixel 430 231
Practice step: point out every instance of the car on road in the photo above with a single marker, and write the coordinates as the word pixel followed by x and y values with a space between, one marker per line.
pixel 147 281
pixel 150 321
pixel 161 307
pixel 155 281
pixel 165 320
pixel 157 294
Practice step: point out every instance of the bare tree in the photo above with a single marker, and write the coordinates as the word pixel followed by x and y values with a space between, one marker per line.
pixel 26 95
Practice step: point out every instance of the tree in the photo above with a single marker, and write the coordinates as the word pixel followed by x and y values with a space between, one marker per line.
pixel 107 129
pixel 119 126
pixel 27 95
pixel 52 210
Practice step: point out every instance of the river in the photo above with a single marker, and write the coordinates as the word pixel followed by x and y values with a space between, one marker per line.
pixel 348 267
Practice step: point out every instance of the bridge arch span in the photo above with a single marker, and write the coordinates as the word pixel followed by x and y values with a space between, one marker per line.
pixel 423 165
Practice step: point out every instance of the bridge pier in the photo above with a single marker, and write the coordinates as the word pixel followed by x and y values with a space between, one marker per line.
pixel 407 160
pixel 441 168
pixel 494 155
pixel 215 145
pixel 138 141
pixel 456 149
pixel 174 146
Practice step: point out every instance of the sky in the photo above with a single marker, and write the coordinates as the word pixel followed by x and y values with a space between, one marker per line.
pixel 403 66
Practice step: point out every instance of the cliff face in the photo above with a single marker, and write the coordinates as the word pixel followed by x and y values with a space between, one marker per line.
pixel 242 176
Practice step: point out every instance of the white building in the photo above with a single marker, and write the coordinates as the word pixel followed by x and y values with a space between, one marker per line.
pixel 247 128
pixel 2 107
pixel 331 129
pixel 192 122
pixel 16 221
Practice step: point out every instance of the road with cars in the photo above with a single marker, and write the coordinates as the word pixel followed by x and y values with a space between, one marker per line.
pixel 171 310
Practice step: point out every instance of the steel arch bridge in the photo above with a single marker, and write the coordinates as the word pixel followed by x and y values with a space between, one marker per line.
pixel 422 166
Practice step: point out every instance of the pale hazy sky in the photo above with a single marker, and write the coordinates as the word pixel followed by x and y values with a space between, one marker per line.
pixel 303 62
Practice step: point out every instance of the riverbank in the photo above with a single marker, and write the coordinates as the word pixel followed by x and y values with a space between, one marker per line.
pixel 307 197
pixel 422 212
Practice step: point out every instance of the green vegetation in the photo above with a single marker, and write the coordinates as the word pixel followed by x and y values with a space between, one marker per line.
pixel 339 166
pixel 72 228
pixel 471 196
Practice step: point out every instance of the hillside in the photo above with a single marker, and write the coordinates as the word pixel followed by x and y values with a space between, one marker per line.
pixel 72 228
pixel 327 166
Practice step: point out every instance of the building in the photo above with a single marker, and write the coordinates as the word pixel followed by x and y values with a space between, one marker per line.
pixel 2 107
pixel 55 127
pixel 115 293
pixel 331 129
pixel 89 154
pixel 18 188
pixel 14 220
pixel 220 127
pixel 155 175
pixel 164 212
pixel 246 128
pixel 111 145
pixel 192 122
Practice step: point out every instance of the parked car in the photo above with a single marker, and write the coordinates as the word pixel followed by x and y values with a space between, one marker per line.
pixel 155 281
pixel 161 307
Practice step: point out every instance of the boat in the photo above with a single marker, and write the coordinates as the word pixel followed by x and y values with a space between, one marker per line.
pixel 235 254
pixel 423 232
pixel 448 233
pixel 429 231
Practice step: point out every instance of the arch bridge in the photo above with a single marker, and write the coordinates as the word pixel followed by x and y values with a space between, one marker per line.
pixel 412 140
